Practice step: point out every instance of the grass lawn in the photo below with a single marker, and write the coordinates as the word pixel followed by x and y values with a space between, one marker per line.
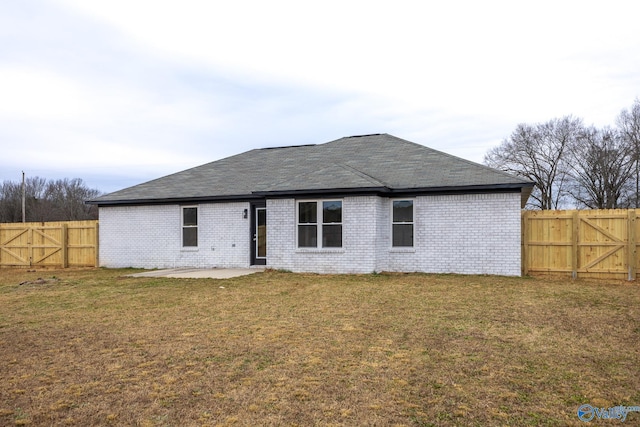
pixel 91 347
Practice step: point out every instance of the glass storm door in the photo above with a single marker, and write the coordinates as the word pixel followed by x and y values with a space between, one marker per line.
pixel 260 236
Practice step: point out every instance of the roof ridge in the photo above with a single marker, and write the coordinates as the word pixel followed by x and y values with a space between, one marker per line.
pixel 462 159
pixel 348 168
pixel 363 136
pixel 363 174
pixel 287 146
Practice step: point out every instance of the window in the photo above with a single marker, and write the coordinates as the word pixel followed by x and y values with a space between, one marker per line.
pixel 320 223
pixel 189 226
pixel 402 223
pixel 332 224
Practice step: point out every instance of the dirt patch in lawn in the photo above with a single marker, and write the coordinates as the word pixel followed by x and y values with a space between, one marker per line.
pixel 92 347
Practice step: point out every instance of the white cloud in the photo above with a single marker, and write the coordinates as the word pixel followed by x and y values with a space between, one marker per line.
pixel 145 88
pixel 29 93
pixel 460 56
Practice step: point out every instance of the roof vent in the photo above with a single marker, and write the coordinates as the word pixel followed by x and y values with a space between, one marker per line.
pixel 362 136
pixel 288 146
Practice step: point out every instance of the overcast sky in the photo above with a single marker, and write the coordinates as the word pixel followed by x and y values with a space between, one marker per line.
pixel 119 92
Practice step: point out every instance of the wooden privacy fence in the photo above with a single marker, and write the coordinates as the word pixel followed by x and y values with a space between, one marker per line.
pixel 49 244
pixel 589 243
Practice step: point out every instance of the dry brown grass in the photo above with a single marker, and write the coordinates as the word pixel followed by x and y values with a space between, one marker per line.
pixel 94 348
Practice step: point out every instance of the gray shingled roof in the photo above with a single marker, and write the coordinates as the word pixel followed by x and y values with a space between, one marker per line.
pixel 376 163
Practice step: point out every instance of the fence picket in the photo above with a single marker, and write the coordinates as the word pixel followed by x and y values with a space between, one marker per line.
pixel 581 243
pixel 49 244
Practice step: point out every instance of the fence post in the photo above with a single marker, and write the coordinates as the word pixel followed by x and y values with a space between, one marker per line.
pixel 30 244
pixel 97 244
pixel 64 243
pixel 574 244
pixel 632 248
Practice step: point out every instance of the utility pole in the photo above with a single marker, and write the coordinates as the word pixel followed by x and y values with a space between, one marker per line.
pixel 24 191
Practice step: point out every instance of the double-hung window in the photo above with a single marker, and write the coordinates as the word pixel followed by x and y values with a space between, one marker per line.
pixel 402 223
pixel 189 226
pixel 320 224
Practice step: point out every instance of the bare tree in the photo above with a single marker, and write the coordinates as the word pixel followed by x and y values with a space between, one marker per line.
pixel 36 203
pixel 601 166
pixel 629 126
pixel 538 153
pixel 68 196
pixel 60 200
pixel 10 202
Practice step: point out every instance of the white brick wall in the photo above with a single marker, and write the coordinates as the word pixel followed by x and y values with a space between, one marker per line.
pixel 474 234
pixel 469 234
pixel 151 237
pixel 356 256
pixel 281 233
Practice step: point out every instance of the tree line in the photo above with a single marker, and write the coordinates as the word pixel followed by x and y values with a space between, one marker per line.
pixel 47 200
pixel 573 165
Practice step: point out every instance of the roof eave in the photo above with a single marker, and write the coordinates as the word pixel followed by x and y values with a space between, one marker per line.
pixel 463 188
pixel 392 192
pixel 174 200
pixel 524 188
pixel 322 192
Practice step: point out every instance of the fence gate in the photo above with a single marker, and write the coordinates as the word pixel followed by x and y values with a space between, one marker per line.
pixel 13 247
pixel 49 244
pixel 590 243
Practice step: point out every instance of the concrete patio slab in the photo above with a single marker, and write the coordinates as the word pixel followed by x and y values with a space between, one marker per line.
pixel 199 273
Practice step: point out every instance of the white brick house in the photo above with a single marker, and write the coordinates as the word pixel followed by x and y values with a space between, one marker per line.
pixel 354 205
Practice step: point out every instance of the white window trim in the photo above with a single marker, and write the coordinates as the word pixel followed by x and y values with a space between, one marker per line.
pixel 182 227
pixel 319 224
pixel 413 223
